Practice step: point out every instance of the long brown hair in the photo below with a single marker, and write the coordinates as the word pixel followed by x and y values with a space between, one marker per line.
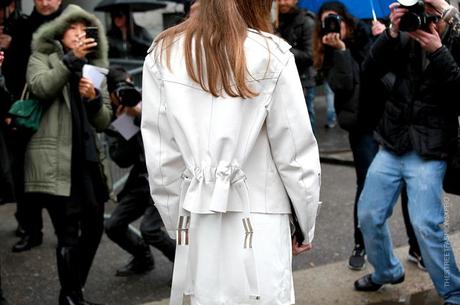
pixel 214 43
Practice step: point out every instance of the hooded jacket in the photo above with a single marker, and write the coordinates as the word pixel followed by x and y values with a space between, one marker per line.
pixel 49 152
pixel 220 154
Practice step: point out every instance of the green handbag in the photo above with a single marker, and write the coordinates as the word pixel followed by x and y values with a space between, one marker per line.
pixel 26 113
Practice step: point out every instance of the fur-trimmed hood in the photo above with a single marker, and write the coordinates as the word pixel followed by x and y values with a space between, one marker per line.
pixel 46 39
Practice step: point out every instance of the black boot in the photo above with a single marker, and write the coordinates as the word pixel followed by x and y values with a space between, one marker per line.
pixel 27 242
pixel 74 298
pixel 139 264
pixel 68 263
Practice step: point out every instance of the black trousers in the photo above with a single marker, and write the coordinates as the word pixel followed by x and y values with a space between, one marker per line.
pixel 134 204
pixel 78 231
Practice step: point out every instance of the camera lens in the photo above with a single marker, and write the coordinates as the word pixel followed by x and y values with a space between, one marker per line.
pixel 410 22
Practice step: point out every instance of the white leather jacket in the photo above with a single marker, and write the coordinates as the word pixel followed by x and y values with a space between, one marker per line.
pixel 199 147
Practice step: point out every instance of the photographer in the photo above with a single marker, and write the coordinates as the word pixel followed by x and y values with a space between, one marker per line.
pixel 296 26
pixel 418 122
pixel 134 201
pixel 340 45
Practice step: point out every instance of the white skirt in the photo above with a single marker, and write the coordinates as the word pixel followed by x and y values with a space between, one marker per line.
pixel 216 274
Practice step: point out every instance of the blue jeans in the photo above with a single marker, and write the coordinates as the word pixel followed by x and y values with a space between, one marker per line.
pixel 423 179
pixel 330 109
pixel 309 93
pixel 364 148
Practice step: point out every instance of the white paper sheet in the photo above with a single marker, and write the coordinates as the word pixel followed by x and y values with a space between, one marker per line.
pixel 95 74
pixel 124 124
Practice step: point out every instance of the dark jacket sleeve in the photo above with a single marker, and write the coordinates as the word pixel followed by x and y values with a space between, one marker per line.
pixel 382 54
pixel 344 71
pixel 303 53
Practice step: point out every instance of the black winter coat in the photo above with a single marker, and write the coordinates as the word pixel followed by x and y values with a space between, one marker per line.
pixel 420 114
pixel 17 56
pixel 135 46
pixel 297 29
pixel 342 70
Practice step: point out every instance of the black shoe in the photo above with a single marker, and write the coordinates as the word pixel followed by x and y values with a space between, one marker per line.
pixel 73 299
pixel 137 266
pixel 357 260
pixel 27 243
pixel 416 258
pixel 366 284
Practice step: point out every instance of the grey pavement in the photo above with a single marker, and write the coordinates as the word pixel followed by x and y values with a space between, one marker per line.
pixel 321 276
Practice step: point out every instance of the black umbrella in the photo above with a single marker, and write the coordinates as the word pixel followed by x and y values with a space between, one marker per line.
pixel 131 5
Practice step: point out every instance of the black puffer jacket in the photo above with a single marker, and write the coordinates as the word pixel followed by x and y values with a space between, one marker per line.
pixel 342 70
pixel 420 114
pixel 297 29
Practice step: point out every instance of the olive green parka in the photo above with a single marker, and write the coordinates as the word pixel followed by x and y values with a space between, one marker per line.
pixel 48 154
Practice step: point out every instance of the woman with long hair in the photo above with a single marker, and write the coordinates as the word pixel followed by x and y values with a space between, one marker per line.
pixel 230 154
pixel 338 55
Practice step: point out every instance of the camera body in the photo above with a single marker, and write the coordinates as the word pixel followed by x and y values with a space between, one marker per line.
pixel 415 18
pixel 331 24
pixel 127 93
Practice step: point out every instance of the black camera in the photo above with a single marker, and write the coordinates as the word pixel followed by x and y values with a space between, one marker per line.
pixel 415 18
pixel 128 94
pixel 331 24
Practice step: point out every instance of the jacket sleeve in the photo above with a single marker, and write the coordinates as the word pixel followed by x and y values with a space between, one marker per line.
pixel 100 111
pixel 44 82
pixel 165 164
pixel 304 53
pixel 294 147
pixel 341 75
pixel 384 55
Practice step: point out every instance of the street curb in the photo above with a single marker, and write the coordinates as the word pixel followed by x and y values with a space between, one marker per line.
pixel 333 283
pixel 336 161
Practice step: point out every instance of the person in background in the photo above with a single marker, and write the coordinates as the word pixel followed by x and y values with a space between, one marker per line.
pixel 10 17
pixel 338 56
pixel 14 69
pixel 371 113
pixel 331 116
pixel 17 57
pixel 126 38
pixel 63 170
pixel 296 26
pixel 134 200
pixel 7 191
pixel 6 177
pixel 416 129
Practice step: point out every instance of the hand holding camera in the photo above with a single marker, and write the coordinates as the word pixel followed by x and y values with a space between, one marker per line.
pixel 410 16
pixel 330 31
pixel 429 41
pixel 333 40
pixel 396 12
